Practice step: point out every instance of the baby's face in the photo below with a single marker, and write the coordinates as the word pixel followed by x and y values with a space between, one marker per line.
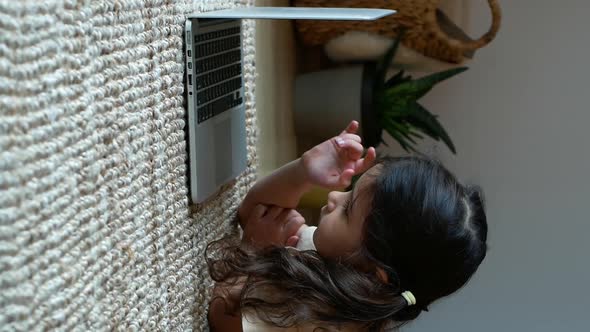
pixel 340 230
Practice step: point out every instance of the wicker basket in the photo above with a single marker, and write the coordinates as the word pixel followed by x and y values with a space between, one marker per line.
pixel 418 17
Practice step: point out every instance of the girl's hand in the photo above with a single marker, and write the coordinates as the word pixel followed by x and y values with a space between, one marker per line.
pixel 333 163
pixel 272 226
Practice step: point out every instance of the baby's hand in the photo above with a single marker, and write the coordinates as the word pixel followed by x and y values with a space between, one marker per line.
pixel 272 225
pixel 333 163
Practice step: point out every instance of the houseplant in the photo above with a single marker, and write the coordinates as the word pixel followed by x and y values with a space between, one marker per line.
pixel 326 101
pixel 396 107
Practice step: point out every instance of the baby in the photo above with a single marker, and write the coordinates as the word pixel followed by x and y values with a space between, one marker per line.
pixel 407 234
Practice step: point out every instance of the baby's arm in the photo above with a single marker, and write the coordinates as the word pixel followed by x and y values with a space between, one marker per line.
pixel 331 164
pixel 283 187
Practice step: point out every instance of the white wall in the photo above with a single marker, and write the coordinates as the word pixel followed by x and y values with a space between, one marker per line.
pixel 520 119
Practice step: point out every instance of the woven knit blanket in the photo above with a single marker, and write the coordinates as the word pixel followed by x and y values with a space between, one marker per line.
pixel 96 229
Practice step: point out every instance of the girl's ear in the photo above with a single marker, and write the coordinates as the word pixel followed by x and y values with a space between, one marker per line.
pixel 382 275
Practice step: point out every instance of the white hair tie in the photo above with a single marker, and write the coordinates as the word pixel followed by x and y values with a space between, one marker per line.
pixel 410 298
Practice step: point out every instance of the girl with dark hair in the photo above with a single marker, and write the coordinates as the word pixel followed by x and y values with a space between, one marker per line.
pixel 406 235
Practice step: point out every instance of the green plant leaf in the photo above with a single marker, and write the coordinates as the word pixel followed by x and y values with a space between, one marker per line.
pixel 426 129
pixel 400 140
pixel 389 127
pixel 407 136
pixel 444 136
pixel 423 123
pixel 393 105
pixel 416 134
pixel 401 132
pixel 395 102
pixel 418 88
pixel 385 61
pixel 397 79
pixel 423 115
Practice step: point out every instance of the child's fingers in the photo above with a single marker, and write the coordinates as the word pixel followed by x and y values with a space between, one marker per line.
pixel 346 178
pixel 353 137
pixel 352 127
pixel 354 150
pixel 371 155
pixel 283 215
pixel 292 241
pixel 344 141
pixel 258 211
pixel 273 212
pixel 367 162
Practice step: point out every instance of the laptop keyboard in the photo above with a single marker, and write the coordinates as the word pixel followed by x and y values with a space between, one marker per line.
pixel 219 72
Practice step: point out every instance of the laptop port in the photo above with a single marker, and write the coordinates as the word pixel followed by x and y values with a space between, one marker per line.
pixel 190 79
pixel 188 53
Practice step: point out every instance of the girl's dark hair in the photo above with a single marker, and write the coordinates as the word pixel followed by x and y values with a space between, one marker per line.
pixel 424 229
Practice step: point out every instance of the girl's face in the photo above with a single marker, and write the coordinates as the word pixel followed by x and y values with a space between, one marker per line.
pixel 341 226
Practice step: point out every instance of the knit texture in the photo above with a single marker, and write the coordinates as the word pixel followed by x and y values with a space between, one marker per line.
pixel 96 229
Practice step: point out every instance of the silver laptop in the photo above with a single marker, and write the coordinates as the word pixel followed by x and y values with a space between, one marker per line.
pixel 215 88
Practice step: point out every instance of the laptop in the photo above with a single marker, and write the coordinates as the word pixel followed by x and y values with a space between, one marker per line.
pixel 215 88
